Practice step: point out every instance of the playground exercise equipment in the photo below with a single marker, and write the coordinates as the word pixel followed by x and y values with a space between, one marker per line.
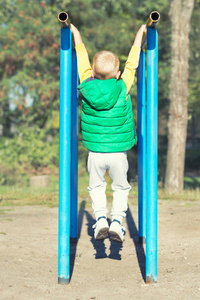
pixel 68 150
pixel 147 87
pixel 147 148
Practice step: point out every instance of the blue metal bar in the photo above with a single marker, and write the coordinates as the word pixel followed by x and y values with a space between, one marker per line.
pixel 154 17
pixel 64 157
pixel 74 151
pixel 141 126
pixel 152 154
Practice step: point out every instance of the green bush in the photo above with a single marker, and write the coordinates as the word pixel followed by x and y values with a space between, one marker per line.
pixel 28 151
pixel 192 159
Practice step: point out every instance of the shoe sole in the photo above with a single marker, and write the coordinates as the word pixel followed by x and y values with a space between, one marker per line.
pixel 114 236
pixel 102 234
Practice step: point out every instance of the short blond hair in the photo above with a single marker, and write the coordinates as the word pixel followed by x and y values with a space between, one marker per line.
pixel 105 65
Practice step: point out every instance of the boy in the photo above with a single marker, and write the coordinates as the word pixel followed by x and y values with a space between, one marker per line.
pixel 108 129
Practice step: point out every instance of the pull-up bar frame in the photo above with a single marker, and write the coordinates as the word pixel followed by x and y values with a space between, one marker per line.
pixel 147 148
pixel 147 103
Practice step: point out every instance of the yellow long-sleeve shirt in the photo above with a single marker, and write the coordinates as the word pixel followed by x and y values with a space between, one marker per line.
pixel 84 67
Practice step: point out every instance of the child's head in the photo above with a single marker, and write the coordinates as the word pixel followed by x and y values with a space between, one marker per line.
pixel 105 65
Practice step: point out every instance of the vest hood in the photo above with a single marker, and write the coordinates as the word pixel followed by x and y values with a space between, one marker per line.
pixel 100 94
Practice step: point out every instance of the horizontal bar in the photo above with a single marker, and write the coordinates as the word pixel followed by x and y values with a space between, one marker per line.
pixel 152 21
pixel 63 18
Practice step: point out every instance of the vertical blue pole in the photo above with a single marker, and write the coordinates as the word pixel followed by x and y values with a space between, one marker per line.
pixel 64 157
pixel 152 154
pixel 141 124
pixel 74 151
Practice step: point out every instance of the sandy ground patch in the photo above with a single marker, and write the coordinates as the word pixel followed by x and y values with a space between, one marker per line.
pixel 100 270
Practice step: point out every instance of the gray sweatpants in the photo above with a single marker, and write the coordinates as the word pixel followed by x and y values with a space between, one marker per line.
pixel 117 165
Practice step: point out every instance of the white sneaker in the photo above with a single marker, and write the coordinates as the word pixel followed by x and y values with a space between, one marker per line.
pixel 117 231
pixel 101 229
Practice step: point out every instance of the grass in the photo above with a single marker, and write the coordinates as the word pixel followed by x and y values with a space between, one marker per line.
pixel 186 195
pixel 3 211
pixel 192 182
pixel 19 196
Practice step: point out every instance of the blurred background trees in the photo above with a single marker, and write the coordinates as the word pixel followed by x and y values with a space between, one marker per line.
pixel 29 76
pixel 180 15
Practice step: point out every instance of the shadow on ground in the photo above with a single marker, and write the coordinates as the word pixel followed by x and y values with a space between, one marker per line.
pixel 139 248
pixel 100 247
pixel 74 242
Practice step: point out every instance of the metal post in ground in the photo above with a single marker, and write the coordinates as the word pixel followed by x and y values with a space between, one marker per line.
pixel 74 151
pixel 141 126
pixel 152 154
pixel 148 147
pixel 64 156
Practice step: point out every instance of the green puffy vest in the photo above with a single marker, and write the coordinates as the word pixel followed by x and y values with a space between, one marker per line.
pixel 106 118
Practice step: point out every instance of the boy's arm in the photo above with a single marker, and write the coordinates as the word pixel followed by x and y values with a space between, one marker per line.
pixel 133 59
pixel 84 67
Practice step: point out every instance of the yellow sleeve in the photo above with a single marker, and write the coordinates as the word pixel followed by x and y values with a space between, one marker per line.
pixel 84 67
pixel 131 66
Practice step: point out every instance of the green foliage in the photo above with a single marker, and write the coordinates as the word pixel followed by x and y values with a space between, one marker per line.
pixel 194 78
pixel 28 151
pixel 6 9
pixel 192 159
pixel 192 182
pixel 29 70
pixel 29 64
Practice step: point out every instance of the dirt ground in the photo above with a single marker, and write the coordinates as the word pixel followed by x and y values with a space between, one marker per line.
pixel 100 270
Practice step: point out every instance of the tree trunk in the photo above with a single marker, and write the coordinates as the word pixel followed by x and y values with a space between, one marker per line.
pixel 180 14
